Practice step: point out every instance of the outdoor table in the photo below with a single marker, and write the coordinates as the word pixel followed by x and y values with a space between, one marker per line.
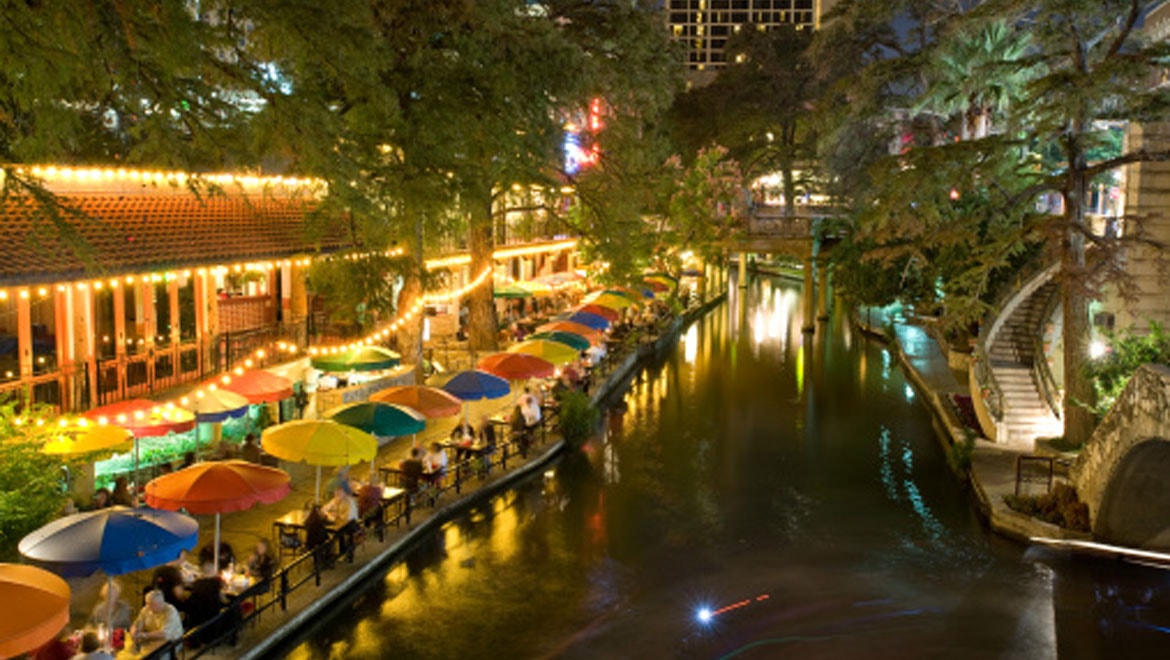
pixel 392 496
pixel 290 526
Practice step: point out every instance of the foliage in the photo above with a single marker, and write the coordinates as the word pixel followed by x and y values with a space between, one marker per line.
pixel 1128 350
pixel 577 418
pixel 31 485
pixel 960 452
pixel 1060 507
pixel 356 291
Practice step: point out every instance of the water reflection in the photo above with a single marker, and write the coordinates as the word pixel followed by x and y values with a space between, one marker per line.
pixel 781 481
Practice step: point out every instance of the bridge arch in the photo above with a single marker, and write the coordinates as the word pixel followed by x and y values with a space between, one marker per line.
pixel 1122 472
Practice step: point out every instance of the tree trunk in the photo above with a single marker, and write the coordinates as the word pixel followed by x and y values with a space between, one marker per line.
pixel 410 333
pixel 1078 387
pixel 482 335
pixel 789 184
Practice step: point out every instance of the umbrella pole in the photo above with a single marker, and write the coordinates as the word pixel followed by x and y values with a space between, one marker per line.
pixel 317 497
pixel 109 607
pixel 136 467
pixel 216 555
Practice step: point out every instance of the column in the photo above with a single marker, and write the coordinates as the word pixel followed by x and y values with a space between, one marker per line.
pixel 823 291
pixel 24 349
pixel 298 300
pixel 199 285
pixel 743 270
pixel 149 325
pixel 175 331
pixel 64 332
pixel 81 304
pixel 119 335
pixel 808 324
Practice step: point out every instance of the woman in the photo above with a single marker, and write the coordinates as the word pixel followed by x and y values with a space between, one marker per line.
pixel 110 608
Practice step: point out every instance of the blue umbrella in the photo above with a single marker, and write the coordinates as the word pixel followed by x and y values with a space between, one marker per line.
pixel 587 319
pixel 473 385
pixel 116 540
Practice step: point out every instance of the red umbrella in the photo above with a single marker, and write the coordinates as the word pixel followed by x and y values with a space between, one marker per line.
pixel 143 418
pixel 516 366
pixel 218 487
pixel 256 386
pixel 432 402
pixel 604 312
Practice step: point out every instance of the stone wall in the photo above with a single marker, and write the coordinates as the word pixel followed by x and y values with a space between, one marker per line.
pixel 1141 414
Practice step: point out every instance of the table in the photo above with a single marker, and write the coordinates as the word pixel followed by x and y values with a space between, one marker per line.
pixel 288 531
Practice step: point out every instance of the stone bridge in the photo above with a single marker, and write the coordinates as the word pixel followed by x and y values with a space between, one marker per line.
pixel 1123 472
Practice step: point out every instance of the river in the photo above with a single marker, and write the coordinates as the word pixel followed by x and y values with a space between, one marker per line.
pixel 760 493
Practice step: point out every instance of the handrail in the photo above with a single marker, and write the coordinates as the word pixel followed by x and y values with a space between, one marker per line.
pixel 1041 372
pixel 985 376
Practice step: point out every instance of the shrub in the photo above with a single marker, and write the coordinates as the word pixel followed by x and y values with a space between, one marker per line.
pixel 1059 507
pixel 577 418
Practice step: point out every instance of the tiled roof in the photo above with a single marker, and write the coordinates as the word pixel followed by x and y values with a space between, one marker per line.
pixel 111 234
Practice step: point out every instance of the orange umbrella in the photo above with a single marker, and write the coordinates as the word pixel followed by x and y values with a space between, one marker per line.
pixel 38 608
pixel 257 386
pixel 217 487
pixel 516 366
pixel 581 329
pixel 431 402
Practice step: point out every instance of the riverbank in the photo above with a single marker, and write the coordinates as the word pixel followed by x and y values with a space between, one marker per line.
pixel 285 618
pixel 991 470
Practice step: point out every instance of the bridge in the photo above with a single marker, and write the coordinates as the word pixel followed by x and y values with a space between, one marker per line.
pixel 1121 472
pixel 797 233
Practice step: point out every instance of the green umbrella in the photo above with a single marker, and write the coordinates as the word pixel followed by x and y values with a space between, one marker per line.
pixel 567 338
pixel 363 358
pixel 383 419
pixel 513 290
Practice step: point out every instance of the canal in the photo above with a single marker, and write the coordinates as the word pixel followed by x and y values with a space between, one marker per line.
pixel 760 493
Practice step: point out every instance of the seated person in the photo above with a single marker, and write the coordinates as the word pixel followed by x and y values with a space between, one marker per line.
pixel 342 509
pixel 61 647
pixel 205 601
pixel 91 648
pixel 110 608
pixel 369 496
pixel 101 499
pixel 411 469
pixel 531 412
pixel 250 451
pixel 261 565
pixel 168 580
pixel 226 556
pixel 316 528
pixel 157 623
pixel 463 433
pixel 487 433
pixel 121 495
pixel 435 461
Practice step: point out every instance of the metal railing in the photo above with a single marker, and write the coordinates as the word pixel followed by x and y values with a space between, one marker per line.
pixel 1041 372
pixel 989 387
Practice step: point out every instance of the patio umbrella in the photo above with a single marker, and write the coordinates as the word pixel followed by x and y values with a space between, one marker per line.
pixel 611 301
pixel 115 540
pixel 432 402
pixel 536 288
pixel 214 405
pixel 83 440
pixel 218 487
pixel 40 608
pixel 318 442
pixel 573 340
pixel 144 418
pixel 516 366
pixel 257 386
pixel 362 358
pixel 633 296
pixel 513 290
pixel 604 312
pixel 474 385
pixel 384 419
pixel 546 349
pixel 587 319
pixel 593 336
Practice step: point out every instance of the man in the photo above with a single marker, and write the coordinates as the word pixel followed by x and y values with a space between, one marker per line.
pixel 157 623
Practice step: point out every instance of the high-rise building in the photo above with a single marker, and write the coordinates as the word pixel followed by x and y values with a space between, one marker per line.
pixel 704 26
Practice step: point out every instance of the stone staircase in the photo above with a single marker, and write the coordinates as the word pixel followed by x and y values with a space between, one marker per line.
pixel 1012 352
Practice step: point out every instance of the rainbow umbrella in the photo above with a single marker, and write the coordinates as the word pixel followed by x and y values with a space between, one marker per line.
pixel 384 419
pixel 604 312
pixel 599 323
pixel 571 339
pixel 612 301
pixel 40 608
pixel 591 335
pixel 432 402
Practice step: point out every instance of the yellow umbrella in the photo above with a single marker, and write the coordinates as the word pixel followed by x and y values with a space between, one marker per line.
pixel 85 439
pixel 552 351
pixel 538 289
pixel 319 442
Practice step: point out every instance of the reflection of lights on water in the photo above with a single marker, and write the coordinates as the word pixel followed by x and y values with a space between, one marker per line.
pixel 691 344
pixel 909 393
pixel 705 614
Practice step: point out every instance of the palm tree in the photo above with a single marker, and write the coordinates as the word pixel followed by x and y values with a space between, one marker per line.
pixel 978 75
